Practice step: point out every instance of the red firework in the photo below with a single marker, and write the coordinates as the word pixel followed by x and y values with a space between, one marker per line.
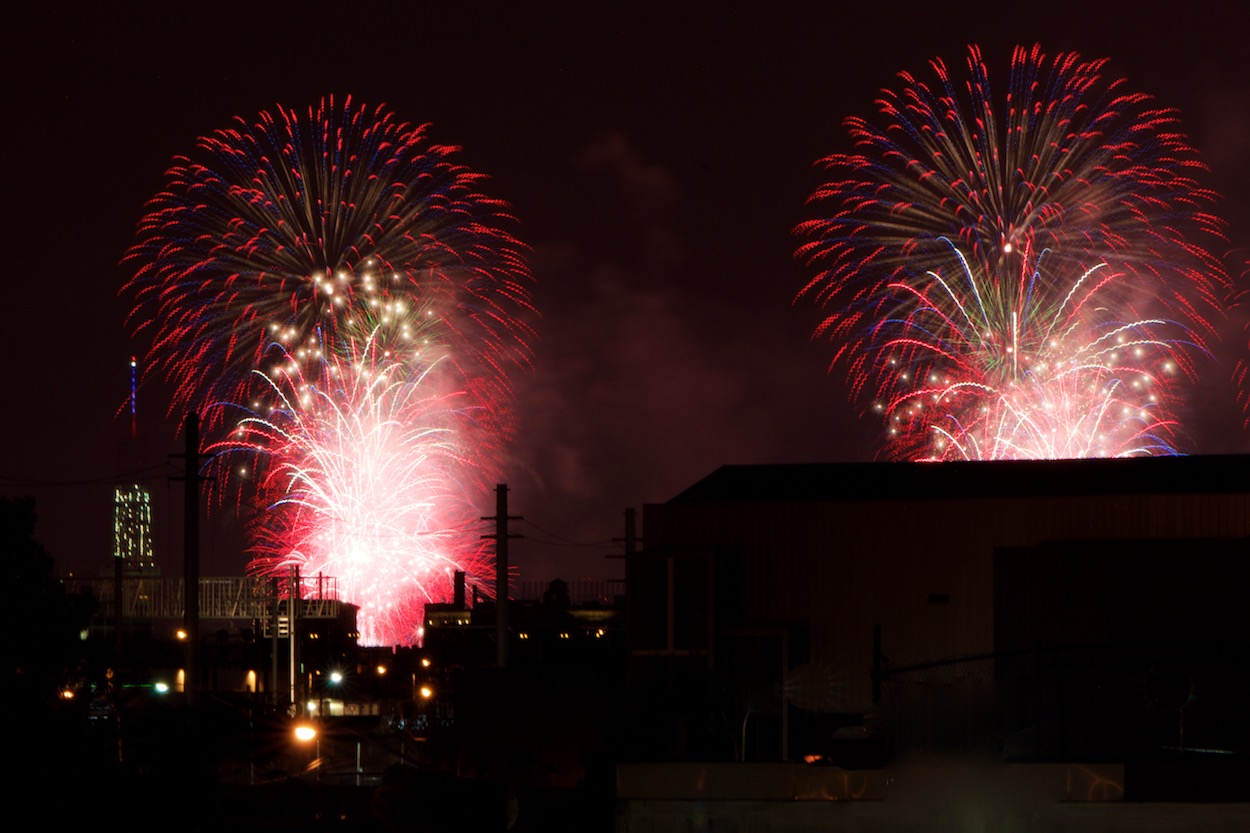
pixel 342 282
pixel 962 222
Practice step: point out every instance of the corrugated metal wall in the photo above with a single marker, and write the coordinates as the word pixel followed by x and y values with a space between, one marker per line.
pixel 922 568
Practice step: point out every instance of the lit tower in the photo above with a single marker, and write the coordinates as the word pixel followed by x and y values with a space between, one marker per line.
pixel 132 528
pixel 132 505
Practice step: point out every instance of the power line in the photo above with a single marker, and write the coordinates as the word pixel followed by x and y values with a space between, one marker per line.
pixel 157 472
pixel 565 541
pixel 550 543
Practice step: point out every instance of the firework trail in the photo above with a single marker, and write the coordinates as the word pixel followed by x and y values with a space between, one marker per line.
pixel 1066 379
pixel 1241 373
pixel 342 283
pixel 303 229
pixel 1024 278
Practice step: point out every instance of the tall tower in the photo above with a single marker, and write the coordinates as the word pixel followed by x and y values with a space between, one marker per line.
pixel 132 504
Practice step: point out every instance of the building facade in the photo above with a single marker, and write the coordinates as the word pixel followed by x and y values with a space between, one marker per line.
pixel 807 594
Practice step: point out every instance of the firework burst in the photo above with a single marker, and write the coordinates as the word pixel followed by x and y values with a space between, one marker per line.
pixel 1004 279
pixel 306 228
pixel 341 281
pixel 373 482
pixel 1060 377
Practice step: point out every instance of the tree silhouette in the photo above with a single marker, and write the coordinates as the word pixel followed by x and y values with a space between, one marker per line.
pixel 47 622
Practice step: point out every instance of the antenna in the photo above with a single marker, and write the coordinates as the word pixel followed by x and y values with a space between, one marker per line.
pixel 134 423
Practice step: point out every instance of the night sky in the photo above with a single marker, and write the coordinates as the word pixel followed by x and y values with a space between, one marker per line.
pixel 657 161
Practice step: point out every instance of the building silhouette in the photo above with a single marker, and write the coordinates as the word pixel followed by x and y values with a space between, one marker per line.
pixel 788 611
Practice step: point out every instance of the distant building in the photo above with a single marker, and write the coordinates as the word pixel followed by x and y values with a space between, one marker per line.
pixel 132 528
pixel 578 625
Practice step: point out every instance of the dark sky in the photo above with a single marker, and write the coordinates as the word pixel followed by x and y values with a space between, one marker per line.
pixel 657 159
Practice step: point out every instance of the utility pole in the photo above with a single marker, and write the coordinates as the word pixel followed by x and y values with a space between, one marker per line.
pixel 275 619
pixel 119 602
pixel 191 552
pixel 294 600
pixel 630 540
pixel 501 536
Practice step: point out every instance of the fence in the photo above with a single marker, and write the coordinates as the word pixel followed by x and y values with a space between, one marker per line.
pixel 1095 702
pixel 235 597
pixel 581 593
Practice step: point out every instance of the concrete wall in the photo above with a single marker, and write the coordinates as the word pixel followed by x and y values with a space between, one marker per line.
pixel 919 796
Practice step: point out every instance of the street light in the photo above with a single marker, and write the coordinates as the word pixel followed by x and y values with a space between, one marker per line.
pixel 306 733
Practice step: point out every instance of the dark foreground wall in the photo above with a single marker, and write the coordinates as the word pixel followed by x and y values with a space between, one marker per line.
pixel 917 797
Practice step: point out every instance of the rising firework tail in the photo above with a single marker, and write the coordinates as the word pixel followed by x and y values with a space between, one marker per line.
pixel 1028 276
pixel 348 308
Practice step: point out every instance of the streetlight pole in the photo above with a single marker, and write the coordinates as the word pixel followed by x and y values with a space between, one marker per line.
pixel 191 552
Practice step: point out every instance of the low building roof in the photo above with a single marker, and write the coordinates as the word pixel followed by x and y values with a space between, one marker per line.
pixel 1211 474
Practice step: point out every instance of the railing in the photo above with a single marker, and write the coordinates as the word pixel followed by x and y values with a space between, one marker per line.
pixel 235 597
pixel 604 592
